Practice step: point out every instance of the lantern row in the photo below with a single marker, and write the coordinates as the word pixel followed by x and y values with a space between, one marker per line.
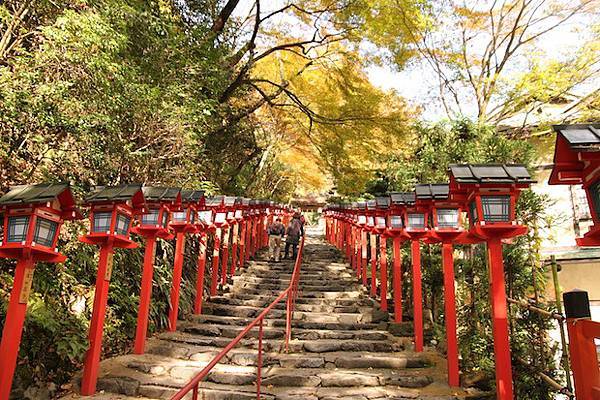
pixel 477 205
pixel 32 219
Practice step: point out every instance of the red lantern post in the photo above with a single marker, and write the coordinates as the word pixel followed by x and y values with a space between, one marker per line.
pixel 383 205
pixel 205 224
pixel 32 217
pixel 370 228
pixel 111 214
pixel 447 229
pixel 182 222
pixel 416 228
pixel 217 204
pixel 395 230
pixel 229 204
pixel 152 225
pixel 491 193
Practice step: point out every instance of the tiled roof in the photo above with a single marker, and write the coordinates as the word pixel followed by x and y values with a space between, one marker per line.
pixel 432 191
pixel 580 135
pixel 32 194
pixel 160 193
pixel 383 201
pixel 490 173
pixel 402 198
pixel 191 196
pixel 114 193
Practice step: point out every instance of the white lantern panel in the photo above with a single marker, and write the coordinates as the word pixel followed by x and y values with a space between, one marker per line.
pixel 102 222
pixel 151 218
pixel 205 217
pixel 416 220
pixel 447 218
pixel 17 229
pixel 220 217
pixel 496 208
pixel 45 230
pixel 122 226
pixel 179 216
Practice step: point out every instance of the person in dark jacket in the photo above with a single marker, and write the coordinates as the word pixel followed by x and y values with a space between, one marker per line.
pixel 293 233
pixel 276 231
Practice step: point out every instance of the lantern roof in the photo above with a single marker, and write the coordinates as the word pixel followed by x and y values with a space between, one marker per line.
pixel 162 193
pixel 215 201
pixel 582 137
pixel 361 205
pixel 432 191
pixel 43 193
pixel 245 201
pixel 576 148
pixel 371 205
pixel 229 201
pixel 383 202
pixel 119 194
pixel 402 198
pixel 192 196
pixel 490 174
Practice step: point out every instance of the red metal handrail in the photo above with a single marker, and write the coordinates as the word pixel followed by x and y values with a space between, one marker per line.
pixel 291 292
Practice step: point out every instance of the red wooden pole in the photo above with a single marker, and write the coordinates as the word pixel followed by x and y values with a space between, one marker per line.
pixel 234 248
pixel 383 269
pixel 504 383
pixel 417 295
pixel 145 296
pixel 202 238
pixel 450 315
pixel 215 263
pixel 225 258
pixel 373 238
pixel 176 285
pixel 397 280
pixel 363 261
pixel 13 326
pixel 92 357
pixel 242 257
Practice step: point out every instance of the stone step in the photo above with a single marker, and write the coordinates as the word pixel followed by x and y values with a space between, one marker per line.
pixel 321 281
pixel 297 324
pixel 239 356
pixel 282 306
pixel 351 294
pixel 212 391
pixel 311 316
pixel 241 299
pixel 303 275
pixel 327 287
pixel 270 332
pixel 126 374
pixel 295 345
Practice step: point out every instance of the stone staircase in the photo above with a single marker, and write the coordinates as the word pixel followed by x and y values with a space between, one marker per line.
pixel 341 347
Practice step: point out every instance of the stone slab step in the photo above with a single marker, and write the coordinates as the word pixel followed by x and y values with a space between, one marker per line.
pixel 295 345
pixel 253 293
pixel 240 299
pixel 328 287
pixel 240 356
pixel 284 282
pixel 311 316
pixel 333 326
pixel 281 306
pixel 229 331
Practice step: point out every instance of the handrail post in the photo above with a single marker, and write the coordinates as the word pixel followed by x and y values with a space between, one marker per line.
pixel 259 361
pixel 582 349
